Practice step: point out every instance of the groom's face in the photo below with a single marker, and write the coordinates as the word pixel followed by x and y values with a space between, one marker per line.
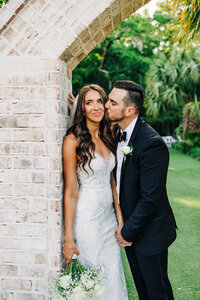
pixel 115 105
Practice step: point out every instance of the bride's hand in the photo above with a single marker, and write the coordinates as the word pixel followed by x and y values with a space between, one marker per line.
pixel 122 243
pixel 69 248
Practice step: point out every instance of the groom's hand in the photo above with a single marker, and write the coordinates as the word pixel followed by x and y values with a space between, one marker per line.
pixel 71 99
pixel 120 239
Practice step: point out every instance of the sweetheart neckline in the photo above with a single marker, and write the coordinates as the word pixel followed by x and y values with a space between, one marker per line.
pixel 106 159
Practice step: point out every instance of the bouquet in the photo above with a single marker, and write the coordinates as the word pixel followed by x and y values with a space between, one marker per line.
pixel 78 282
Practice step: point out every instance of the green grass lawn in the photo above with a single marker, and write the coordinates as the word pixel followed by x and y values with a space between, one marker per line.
pixel 184 255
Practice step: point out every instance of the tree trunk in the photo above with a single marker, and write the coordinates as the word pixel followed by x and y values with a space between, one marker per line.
pixel 189 124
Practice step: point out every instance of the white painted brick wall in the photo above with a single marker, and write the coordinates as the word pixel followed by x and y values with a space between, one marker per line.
pixel 30 175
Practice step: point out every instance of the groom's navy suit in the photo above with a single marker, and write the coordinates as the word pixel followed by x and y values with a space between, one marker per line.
pixel 148 218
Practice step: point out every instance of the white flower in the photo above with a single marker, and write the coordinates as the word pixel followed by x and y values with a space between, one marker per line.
pixel 84 278
pixel 98 290
pixel 126 150
pixel 155 50
pixel 87 282
pixel 101 271
pixel 65 281
pixel 154 23
pixel 59 298
pixel 90 284
pixel 78 293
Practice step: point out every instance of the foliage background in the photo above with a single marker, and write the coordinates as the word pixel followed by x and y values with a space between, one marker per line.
pixel 3 2
pixel 143 49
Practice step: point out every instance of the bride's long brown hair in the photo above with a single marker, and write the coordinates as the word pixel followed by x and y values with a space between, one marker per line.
pixel 86 148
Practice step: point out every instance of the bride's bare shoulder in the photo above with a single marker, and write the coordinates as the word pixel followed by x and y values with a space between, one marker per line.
pixel 70 141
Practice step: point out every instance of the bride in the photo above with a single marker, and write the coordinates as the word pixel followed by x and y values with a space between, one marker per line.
pixel 90 197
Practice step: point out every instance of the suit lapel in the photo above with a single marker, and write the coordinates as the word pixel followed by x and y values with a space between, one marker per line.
pixel 131 142
pixel 115 129
pixel 138 124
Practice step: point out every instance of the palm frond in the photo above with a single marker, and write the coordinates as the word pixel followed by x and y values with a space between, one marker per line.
pixel 186 24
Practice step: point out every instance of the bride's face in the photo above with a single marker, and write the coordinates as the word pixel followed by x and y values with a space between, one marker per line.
pixel 94 106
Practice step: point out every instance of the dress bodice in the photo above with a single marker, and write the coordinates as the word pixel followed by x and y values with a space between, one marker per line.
pixel 98 174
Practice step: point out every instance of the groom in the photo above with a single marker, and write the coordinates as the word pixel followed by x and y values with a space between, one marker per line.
pixel 141 185
pixel 141 176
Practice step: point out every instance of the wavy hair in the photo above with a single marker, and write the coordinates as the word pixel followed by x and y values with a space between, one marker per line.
pixel 86 148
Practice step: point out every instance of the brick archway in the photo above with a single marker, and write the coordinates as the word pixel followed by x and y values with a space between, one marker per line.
pixel 41 42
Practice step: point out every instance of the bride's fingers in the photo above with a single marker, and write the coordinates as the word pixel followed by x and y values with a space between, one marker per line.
pixel 76 252
pixel 128 245
pixel 68 261
pixel 71 98
pixel 125 245
pixel 68 258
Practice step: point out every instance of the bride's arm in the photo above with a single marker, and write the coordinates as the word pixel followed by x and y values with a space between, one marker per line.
pixel 70 194
pixel 116 202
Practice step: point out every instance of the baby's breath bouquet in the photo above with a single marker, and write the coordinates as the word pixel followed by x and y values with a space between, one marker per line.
pixel 78 282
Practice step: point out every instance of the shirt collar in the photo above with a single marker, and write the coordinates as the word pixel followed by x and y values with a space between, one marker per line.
pixel 129 129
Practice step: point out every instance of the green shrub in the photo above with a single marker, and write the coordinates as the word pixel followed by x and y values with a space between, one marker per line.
pixel 194 138
pixel 191 145
pixel 179 130
pixel 195 152
pixel 182 146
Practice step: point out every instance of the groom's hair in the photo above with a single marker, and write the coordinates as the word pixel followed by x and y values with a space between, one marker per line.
pixel 134 96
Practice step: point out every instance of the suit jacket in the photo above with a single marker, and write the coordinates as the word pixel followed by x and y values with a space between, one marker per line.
pixel 148 218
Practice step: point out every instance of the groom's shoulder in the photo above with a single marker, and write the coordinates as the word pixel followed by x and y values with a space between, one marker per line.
pixel 149 135
pixel 149 130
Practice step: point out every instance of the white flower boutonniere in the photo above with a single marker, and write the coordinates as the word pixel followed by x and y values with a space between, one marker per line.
pixel 127 150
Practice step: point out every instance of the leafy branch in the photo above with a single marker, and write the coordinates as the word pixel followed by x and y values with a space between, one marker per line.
pixel 2 2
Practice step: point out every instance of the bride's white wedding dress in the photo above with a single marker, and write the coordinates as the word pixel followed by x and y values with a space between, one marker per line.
pixel 95 224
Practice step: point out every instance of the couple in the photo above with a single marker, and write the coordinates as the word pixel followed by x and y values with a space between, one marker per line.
pixel 129 169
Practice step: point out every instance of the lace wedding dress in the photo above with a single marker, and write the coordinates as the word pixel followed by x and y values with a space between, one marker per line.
pixel 95 224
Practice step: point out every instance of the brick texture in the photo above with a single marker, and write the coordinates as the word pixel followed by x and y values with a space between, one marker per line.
pixel 41 42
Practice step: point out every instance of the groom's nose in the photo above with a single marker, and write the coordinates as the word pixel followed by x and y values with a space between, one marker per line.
pixel 107 104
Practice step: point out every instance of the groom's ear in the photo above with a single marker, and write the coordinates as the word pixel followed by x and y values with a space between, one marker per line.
pixel 130 111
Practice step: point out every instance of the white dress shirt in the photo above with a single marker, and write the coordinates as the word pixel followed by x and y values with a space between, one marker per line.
pixel 120 156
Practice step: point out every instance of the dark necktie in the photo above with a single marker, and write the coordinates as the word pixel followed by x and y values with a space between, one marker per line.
pixel 121 136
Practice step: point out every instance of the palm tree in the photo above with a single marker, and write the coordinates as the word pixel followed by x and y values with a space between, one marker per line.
pixel 186 22
pixel 173 81
pixel 191 116
pixel 163 89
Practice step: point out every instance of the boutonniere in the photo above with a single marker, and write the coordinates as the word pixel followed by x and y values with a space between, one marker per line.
pixel 127 150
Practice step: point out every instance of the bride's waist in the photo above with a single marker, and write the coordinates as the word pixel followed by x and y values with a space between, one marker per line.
pixel 93 187
pixel 94 210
